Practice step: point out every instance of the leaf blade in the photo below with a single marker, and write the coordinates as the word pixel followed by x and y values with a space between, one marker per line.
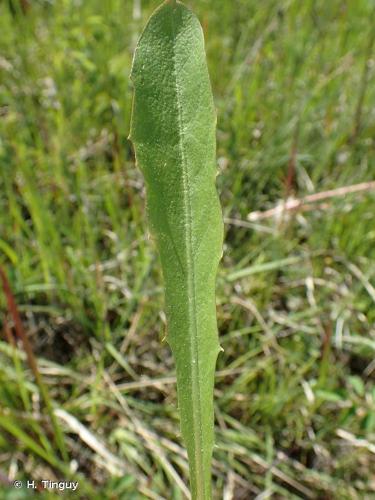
pixel 173 131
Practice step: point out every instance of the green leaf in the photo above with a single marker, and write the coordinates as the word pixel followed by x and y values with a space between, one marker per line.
pixel 173 131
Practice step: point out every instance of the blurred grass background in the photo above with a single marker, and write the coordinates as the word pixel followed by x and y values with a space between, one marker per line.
pixel 295 395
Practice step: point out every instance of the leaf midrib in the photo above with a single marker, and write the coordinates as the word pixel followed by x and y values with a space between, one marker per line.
pixel 193 327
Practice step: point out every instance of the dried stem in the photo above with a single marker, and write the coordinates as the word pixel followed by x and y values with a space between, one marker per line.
pixel 21 334
pixel 307 203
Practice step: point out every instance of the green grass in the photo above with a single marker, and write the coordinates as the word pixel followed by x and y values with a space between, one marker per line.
pixel 297 372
